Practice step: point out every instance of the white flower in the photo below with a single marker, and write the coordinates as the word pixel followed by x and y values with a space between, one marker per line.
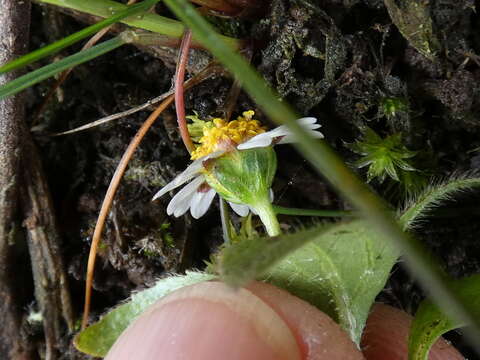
pixel 197 195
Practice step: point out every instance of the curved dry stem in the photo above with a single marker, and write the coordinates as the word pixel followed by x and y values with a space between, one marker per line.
pixel 107 201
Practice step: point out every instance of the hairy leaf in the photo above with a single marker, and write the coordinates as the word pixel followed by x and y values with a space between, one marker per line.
pixel 432 197
pixel 250 258
pixel 341 272
pixel 338 268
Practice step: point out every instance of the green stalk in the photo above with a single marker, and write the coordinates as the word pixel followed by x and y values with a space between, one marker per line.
pixel 329 164
pixel 269 218
pixel 72 39
pixel 312 212
pixel 149 21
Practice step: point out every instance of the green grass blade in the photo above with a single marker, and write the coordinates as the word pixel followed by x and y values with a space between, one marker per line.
pixel 327 162
pixel 45 72
pixel 72 39
pixel 149 21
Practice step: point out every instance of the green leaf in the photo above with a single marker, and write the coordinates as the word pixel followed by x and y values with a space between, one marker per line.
pixel 45 72
pixel 432 197
pixel 97 339
pixel 72 39
pixel 338 268
pixel 430 322
pixel 340 272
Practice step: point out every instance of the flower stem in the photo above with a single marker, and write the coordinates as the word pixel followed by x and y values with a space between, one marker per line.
pixel 268 217
pixel 313 212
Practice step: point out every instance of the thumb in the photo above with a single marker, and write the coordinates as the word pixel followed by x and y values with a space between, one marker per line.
pixel 212 321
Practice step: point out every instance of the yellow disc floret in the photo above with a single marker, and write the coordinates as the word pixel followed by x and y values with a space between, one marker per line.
pixel 221 132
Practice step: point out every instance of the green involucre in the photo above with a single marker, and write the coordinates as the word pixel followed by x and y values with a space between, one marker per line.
pixel 244 177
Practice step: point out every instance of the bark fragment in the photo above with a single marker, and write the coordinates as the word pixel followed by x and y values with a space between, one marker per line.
pixel 51 286
pixel 14 30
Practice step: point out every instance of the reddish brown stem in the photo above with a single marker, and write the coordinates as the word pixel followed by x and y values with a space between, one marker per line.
pixel 179 99
pixel 107 201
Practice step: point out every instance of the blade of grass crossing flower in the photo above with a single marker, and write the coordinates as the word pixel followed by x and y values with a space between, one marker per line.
pixel 327 162
pixel 45 72
pixel 72 39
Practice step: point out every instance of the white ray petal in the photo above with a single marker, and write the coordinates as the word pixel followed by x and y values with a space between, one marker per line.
pixel 191 171
pixel 291 138
pixel 240 209
pixel 180 203
pixel 201 201
pixel 265 139
pixel 212 155
pixel 255 142
pixel 313 126
pixel 282 130
pixel 307 120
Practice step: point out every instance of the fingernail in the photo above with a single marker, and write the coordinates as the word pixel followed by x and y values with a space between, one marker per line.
pixel 208 321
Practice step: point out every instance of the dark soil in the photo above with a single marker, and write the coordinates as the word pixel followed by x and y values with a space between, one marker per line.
pixel 334 59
